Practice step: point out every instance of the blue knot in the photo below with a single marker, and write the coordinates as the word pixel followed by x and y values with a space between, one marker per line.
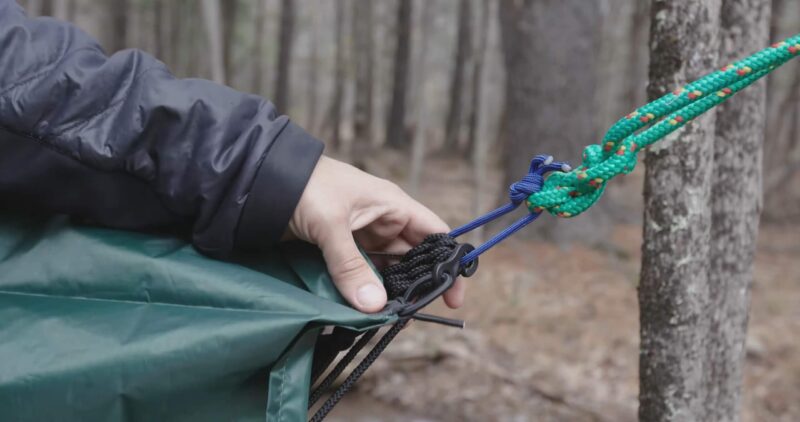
pixel 534 180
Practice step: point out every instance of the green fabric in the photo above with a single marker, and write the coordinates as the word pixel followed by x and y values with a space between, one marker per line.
pixel 571 193
pixel 104 325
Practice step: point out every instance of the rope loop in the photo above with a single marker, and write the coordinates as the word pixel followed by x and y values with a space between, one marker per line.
pixel 570 194
pixel 533 181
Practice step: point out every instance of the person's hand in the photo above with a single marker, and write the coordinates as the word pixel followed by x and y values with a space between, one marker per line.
pixel 342 205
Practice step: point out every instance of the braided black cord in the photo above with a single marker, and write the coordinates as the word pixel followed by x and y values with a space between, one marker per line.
pixel 358 372
pixel 397 278
pixel 340 367
pixel 419 261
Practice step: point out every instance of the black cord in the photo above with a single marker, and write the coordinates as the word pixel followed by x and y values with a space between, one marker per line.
pixel 358 372
pixel 340 367
pixel 398 278
pixel 419 261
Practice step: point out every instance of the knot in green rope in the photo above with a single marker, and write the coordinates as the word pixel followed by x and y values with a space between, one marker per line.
pixel 570 193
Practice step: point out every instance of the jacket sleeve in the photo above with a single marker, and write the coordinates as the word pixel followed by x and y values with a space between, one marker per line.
pixel 121 142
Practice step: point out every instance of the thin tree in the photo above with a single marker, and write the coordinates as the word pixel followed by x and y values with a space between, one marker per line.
pixel 285 47
pixel 334 115
pixel 549 96
pixel 177 14
pixel 458 79
pixel 477 75
pixel 674 285
pixel 159 12
pixel 313 73
pixel 781 143
pixel 62 9
pixel 395 125
pixel 258 47
pixel 118 38
pixel 34 7
pixel 363 38
pixel 216 56
pixel 478 145
pixel 637 62
pixel 228 11
pixel 735 209
pixel 422 113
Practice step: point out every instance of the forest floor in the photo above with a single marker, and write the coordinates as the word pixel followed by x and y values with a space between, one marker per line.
pixel 552 332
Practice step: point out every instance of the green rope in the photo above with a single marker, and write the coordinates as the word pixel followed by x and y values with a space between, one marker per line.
pixel 571 193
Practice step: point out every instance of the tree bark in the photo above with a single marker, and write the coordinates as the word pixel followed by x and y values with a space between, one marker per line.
pixel 118 39
pixel 177 14
pixel 334 119
pixel 313 73
pixel 638 54
pixel 258 47
pixel 363 57
pixel 285 47
pixel 735 209
pixel 457 80
pixel 159 14
pixel 422 118
pixel 674 290
pixel 478 144
pixel 228 12
pixel 549 48
pixel 216 56
pixel 61 9
pixel 34 7
pixel 396 136
pixel 477 75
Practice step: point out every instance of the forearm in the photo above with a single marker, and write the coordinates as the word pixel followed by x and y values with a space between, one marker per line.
pixel 120 141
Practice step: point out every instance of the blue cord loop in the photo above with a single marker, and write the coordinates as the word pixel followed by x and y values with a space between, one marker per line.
pixel 518 193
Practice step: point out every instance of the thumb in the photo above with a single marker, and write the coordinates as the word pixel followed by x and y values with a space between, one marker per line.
pixel 352 275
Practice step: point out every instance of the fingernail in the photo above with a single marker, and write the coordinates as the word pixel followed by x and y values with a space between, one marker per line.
pixel 369 296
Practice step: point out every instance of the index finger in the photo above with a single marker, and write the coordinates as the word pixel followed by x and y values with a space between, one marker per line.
pixel 422 223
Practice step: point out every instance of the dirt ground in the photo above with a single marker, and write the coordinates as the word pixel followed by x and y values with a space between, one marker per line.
pixel 552 333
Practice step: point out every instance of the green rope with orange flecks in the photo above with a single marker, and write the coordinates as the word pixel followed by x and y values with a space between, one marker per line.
pixel 567 194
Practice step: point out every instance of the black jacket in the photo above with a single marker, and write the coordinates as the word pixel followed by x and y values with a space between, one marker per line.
pixel 120 142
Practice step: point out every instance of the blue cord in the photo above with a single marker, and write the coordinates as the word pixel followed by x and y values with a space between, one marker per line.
pixel 518 192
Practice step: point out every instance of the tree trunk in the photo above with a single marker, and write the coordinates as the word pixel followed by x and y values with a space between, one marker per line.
pixel 216 56
pixel 228 12
pixel 477 75
pixel 457 81
pixel 783 100
pixel 46 8
pixel 478 142
pixel 420 147
pixel 34 7
pixel 638 54
pixel 61 9
pixel 177 14
pixel 118 39
pixel 735 209
pixel 285 40
pixel 313 73
pixel 395 125
pixel 674 290
pixel 549 102
pixel 159 12
pixel 363 57
pixel 258 47
pixel 334 119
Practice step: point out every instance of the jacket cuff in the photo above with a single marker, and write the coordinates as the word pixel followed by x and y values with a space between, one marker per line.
pixel 277 187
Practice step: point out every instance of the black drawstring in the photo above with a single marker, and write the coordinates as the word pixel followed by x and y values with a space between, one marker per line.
pixel 340 367
pixel 422 275
pixel 359 371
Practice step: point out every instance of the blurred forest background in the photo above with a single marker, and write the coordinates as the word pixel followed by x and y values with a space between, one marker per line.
pixel 418 91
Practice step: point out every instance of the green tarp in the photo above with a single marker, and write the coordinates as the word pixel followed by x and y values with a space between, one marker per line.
pixel 105 325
